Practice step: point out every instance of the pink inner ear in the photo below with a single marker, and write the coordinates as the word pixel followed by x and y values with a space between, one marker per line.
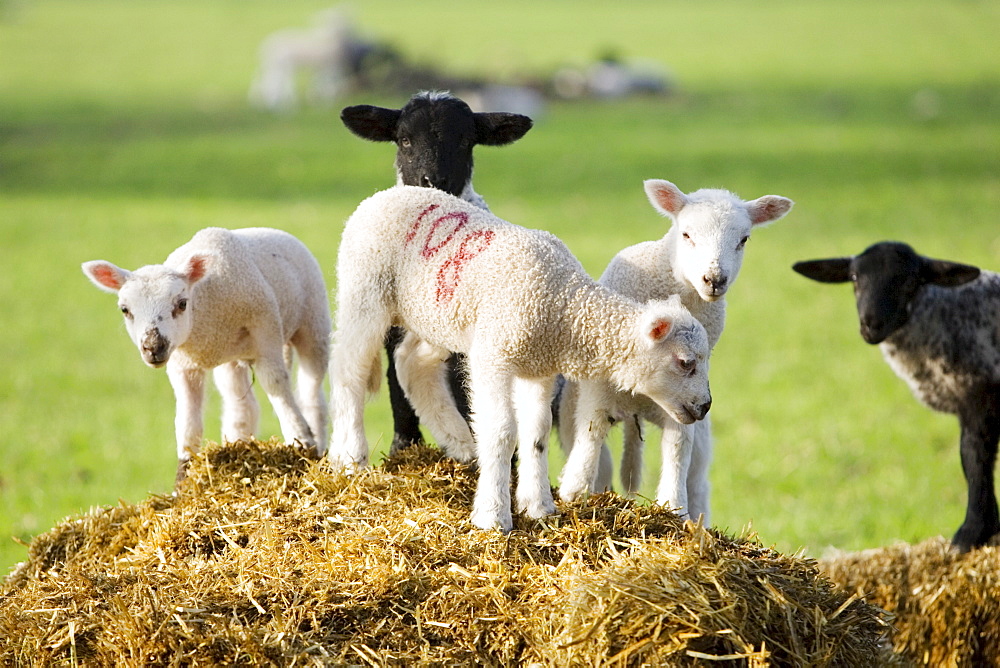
pixel 106 276
pixel 197 266
pixel 659 330
pixel 669 199
pixel 767 209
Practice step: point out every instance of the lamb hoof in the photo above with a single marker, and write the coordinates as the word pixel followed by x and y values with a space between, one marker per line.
pixel 970 537
pixel 489 521
pixel 182 467
pixel 402 443
pixel 463 454
pixel 346 464
pixel 571 493
pixel 308 450
pixel 536 509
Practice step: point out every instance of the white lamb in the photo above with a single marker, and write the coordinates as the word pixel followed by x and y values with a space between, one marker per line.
pixel 327 51
pixel 229 300
pixel 522 308
pixel 698 259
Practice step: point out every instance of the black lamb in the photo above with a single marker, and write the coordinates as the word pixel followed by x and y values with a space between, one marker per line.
pixel 938 326
pixel 434 134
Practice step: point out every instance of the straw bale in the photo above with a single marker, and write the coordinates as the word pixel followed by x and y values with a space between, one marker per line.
pixel 946 604
pixel 263 557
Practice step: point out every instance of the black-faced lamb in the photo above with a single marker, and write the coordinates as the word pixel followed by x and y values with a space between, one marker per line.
pixel 698 259
pixel 937 324
pixel 434 134
pixel 229 301
pixel 522 308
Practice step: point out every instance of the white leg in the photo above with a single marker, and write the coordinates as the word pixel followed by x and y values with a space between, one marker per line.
pixel 275 380
pixel 189 390
pixel 592 424
pixel 354 358
pixel 240 410
pixel 633 444
pixel 494 425
pixel 314 359
pixel 699 488
pixel 567 432
pixel 675 448
pixel 421 371
pixel 533 408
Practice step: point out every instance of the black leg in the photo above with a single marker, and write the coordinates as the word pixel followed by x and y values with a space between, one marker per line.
pixel 457 383
pixel 405 424
pixel 980 433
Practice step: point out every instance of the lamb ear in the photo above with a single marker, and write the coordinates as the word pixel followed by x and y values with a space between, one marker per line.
pixel 769 208
pixel 500 127
pixel 105 275
pixel 372 123
pixel 833 270
pixel 948 274
pixel 659 329
pixel 654 325
pixel 665 196
pixel 196 267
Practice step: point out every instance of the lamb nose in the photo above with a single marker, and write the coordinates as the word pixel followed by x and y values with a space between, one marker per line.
pixel 703 409
pixel 155 351
pixel 715 283
pixel 154 343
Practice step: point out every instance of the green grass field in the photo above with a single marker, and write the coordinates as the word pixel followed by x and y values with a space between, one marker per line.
pixel 124 128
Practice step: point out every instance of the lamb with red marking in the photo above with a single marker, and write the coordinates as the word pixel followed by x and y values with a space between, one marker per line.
pixel 521 306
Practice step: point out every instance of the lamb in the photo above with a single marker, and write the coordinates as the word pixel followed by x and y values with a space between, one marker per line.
pixel 228 300
pixel 435 133
pixel 698 259
pixel 522 308
pixel 331 53
pixel 937 324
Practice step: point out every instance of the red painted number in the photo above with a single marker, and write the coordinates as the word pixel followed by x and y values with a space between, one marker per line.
pixel 441 232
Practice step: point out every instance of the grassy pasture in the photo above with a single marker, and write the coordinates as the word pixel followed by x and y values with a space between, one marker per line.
pixel 124 128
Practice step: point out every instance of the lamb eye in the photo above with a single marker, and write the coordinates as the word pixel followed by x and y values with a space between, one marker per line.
pixel 126 312
pixel 687 366
pixel 405 142
pixel 687 238
pixel 743 241
pixel 180 307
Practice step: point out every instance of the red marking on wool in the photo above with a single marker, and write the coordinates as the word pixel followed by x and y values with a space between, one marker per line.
pixel 450 273
pixel 428 251
pixel 416 224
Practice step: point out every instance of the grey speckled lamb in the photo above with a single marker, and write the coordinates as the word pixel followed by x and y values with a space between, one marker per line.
pixel 938 326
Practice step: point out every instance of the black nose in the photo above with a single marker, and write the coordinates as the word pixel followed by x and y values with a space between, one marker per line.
pixel 703 409
pixel 717 283
pixel 873 332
